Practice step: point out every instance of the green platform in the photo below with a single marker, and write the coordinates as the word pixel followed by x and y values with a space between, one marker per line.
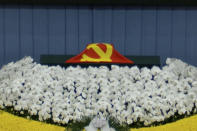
pixel 140 61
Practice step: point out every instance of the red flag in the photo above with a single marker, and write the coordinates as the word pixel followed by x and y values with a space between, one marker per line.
pixel 99 53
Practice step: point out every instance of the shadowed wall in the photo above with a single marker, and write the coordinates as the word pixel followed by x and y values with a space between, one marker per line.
pixel 35 30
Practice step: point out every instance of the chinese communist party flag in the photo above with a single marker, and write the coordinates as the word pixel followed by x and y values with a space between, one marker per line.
pixel 99 53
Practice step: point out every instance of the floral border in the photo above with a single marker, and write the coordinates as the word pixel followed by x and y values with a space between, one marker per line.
pixel 10 122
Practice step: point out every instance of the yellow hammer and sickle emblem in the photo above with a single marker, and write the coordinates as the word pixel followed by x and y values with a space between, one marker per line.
pixel 104 56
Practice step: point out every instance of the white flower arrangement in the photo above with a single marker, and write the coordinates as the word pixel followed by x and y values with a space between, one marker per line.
pixel 99 123
pixel 127 94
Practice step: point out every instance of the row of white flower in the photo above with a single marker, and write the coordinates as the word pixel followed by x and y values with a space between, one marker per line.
pixel 127 94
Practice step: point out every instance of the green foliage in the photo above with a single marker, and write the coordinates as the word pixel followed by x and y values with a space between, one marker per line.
pixel 116 125
pixel 78 125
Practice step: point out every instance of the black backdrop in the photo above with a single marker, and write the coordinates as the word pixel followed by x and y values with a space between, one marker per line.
pixel 105 2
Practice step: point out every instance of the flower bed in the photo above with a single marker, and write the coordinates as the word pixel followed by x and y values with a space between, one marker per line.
pixel 11 122
pixel 127 96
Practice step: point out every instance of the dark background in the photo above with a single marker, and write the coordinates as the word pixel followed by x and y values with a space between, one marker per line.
pixel 104 2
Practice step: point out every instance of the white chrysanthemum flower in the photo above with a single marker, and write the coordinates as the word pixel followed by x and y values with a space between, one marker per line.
pixel 72 93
